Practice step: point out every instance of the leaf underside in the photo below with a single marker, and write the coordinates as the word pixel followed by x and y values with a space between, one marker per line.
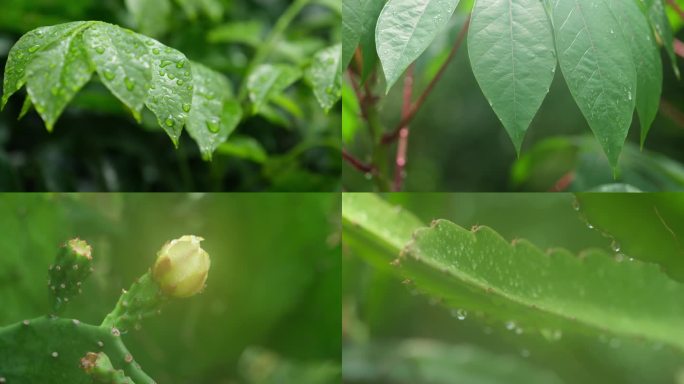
pixel 478 270
pixel 325 76
pixel 55 62
pixel 512 55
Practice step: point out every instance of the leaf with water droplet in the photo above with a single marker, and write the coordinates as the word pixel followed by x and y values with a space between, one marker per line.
pixel 64 69
pixel 517 282
pixel 125 57
pixel 166 96
pixel 267 80
pixel 208 122
pixel 510 46
pixel 324 75
pixel 20 57
pixel 660 25
pixel 359 18
pixel 405 29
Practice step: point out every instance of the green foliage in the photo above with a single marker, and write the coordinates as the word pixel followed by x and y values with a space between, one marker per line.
pixel 358 28
pixel 268 80
pixel 325 76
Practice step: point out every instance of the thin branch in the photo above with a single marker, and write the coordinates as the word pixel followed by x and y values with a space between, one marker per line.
pixel 676 8
pixel 356 163
pixel 400 160
pixel 391 136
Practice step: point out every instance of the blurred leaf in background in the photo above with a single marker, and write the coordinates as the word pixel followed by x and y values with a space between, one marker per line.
pixel 273 293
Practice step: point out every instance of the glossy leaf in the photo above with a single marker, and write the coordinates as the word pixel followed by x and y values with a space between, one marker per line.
pixel 122 62
pixel 359 18
pixel 434 362
pixel 512 55
pixel 56 74
pixel 405 29
pixel 244 147
pixel 646 58
pixel 597 65
pixel 204 122
pixel 655 10
pixel 24 51
pixel 150 17
pixel 268 80
pixel 170 92
pixel 517 282
pixel 325 76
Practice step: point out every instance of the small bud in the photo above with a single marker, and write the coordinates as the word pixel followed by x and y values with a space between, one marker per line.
pixel 181 267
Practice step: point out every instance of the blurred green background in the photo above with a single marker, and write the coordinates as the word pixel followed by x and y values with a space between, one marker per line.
pixel 271 309
pixel 458 144
pixel 96 144
pixel 392 333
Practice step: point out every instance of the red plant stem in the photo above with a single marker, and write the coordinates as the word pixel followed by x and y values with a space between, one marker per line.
pixel 356 163
pixel 400 160
pixel 391 136
pixel 676 7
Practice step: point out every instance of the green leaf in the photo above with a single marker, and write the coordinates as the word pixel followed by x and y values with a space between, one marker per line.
pixel 325 76
pixel 517 282
pixel 646 58
pixel 56 74
pixel 24 51
pixel 647 226
pixel 170 93
pixel 655 10
pixel 244 147
pixel 150 17
pixel 351 112
pixel 511 53
pixel 244 32
pixel 205 122
pixel 598 68
pixel 405 29
pixel 122 62
pixel 358 25
pixel 269 79
pixel 434 362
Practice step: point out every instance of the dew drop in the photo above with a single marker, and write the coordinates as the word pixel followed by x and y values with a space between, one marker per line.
pixel 615 246
pixel 213 125
pixel 165 63
pixel 576 205
pixel 54 354
pixel 169 122
pixel 460 314
pixel 180 64
pixel 510 325
pixel 99 50
pixel 109 75
pixel 155 51
pixel 186 107
pixel 33 48
pixel 619 257
pixel 129 84
pixel 179 82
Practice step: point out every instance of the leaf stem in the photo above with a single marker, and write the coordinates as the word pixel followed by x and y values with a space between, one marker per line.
pixel 356 163
pixel 391 136
pixel 402 146
pixel 274 36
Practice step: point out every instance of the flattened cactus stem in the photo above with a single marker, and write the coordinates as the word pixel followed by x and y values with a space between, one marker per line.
pixel 73 264
pixel 100 368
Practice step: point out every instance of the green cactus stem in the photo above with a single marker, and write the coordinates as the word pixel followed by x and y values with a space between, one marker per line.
pixel 48 350
pixel 142 300
pixel 73 264
pixel 100 368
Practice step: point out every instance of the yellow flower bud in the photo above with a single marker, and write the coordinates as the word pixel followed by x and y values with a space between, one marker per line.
pixel 182 266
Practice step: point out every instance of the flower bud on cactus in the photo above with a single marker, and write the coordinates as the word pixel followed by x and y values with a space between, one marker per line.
pixel 72 266
pixel 181 267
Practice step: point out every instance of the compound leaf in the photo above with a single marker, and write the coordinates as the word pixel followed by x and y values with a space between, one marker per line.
pixel 511 52
pixel 597 65
pixel 405 29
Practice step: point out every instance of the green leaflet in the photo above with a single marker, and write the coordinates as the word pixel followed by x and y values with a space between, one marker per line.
pixel 122 61
pixel 170 93
pixel 434 362
pixel 648 227
pixel 598 68
pixel 244 32
pixel 244 147
pixel 479 270
pixel 51 91
pixel 267 80
pixel 359 18
pixel 150 17
pixel 646 58
pixel 56 62
pixel 405 29
pixel 205 123
pixel 655 10
pixel 23 52
pixel 325 76
pixel 511 53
